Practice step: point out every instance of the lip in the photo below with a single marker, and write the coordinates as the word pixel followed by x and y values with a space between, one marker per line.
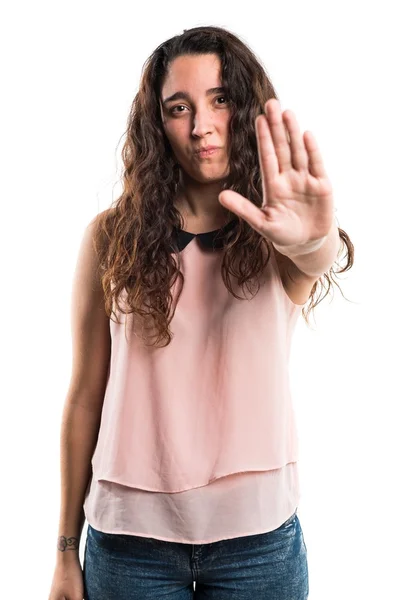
pixel 206 151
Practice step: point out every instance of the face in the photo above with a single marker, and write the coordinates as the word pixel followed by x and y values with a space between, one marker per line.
pixel 196 117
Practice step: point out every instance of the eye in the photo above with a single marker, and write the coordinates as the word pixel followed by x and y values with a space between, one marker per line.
pixel 173 111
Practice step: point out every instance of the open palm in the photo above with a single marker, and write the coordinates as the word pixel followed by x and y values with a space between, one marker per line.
pixel 297 195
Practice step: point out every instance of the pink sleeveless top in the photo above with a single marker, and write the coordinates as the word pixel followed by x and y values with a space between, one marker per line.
pixel 198 440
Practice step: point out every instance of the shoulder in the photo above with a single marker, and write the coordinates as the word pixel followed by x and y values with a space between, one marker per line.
pixel 100 224
pixel 101 217
pixel 297 284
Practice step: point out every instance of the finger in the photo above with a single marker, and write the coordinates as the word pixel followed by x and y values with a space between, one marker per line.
pixel 315 162
pixel 245 209
pixel 268 160
pixel 279 134
pixel 297 147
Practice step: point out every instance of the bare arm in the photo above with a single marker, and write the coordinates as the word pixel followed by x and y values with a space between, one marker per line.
pixel 91 345
pixel 79 431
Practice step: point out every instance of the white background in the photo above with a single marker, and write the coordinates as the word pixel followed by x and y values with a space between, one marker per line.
pixel 69 73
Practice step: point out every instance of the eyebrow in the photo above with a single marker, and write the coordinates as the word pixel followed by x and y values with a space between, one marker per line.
pixel 185 96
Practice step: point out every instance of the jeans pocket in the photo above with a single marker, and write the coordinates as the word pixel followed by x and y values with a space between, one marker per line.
pixel 105 540
pixel 290 520
pixel 120 542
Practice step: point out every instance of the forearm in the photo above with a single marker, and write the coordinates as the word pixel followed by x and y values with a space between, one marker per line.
pixel 317 262
pixel 79 433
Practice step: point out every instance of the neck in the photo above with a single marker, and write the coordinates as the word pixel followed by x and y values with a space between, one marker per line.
pixel 200 208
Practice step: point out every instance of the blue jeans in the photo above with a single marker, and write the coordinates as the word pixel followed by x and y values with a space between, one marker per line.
pixel 265 566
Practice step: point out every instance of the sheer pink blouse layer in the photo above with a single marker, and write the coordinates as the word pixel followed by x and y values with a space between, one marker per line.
pixel 198 440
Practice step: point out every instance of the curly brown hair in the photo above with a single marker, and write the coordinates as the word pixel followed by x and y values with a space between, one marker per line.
pixel 133 238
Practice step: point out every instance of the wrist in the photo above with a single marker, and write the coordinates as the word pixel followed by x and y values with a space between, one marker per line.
pixel 67 548
pixel 300 249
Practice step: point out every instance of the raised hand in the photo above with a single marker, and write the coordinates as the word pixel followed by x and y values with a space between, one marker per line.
pixel 297 210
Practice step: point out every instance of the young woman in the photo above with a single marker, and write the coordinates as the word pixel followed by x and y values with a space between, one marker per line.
pixel 179 437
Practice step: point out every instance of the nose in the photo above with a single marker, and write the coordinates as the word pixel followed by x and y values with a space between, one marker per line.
pixel 202 123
